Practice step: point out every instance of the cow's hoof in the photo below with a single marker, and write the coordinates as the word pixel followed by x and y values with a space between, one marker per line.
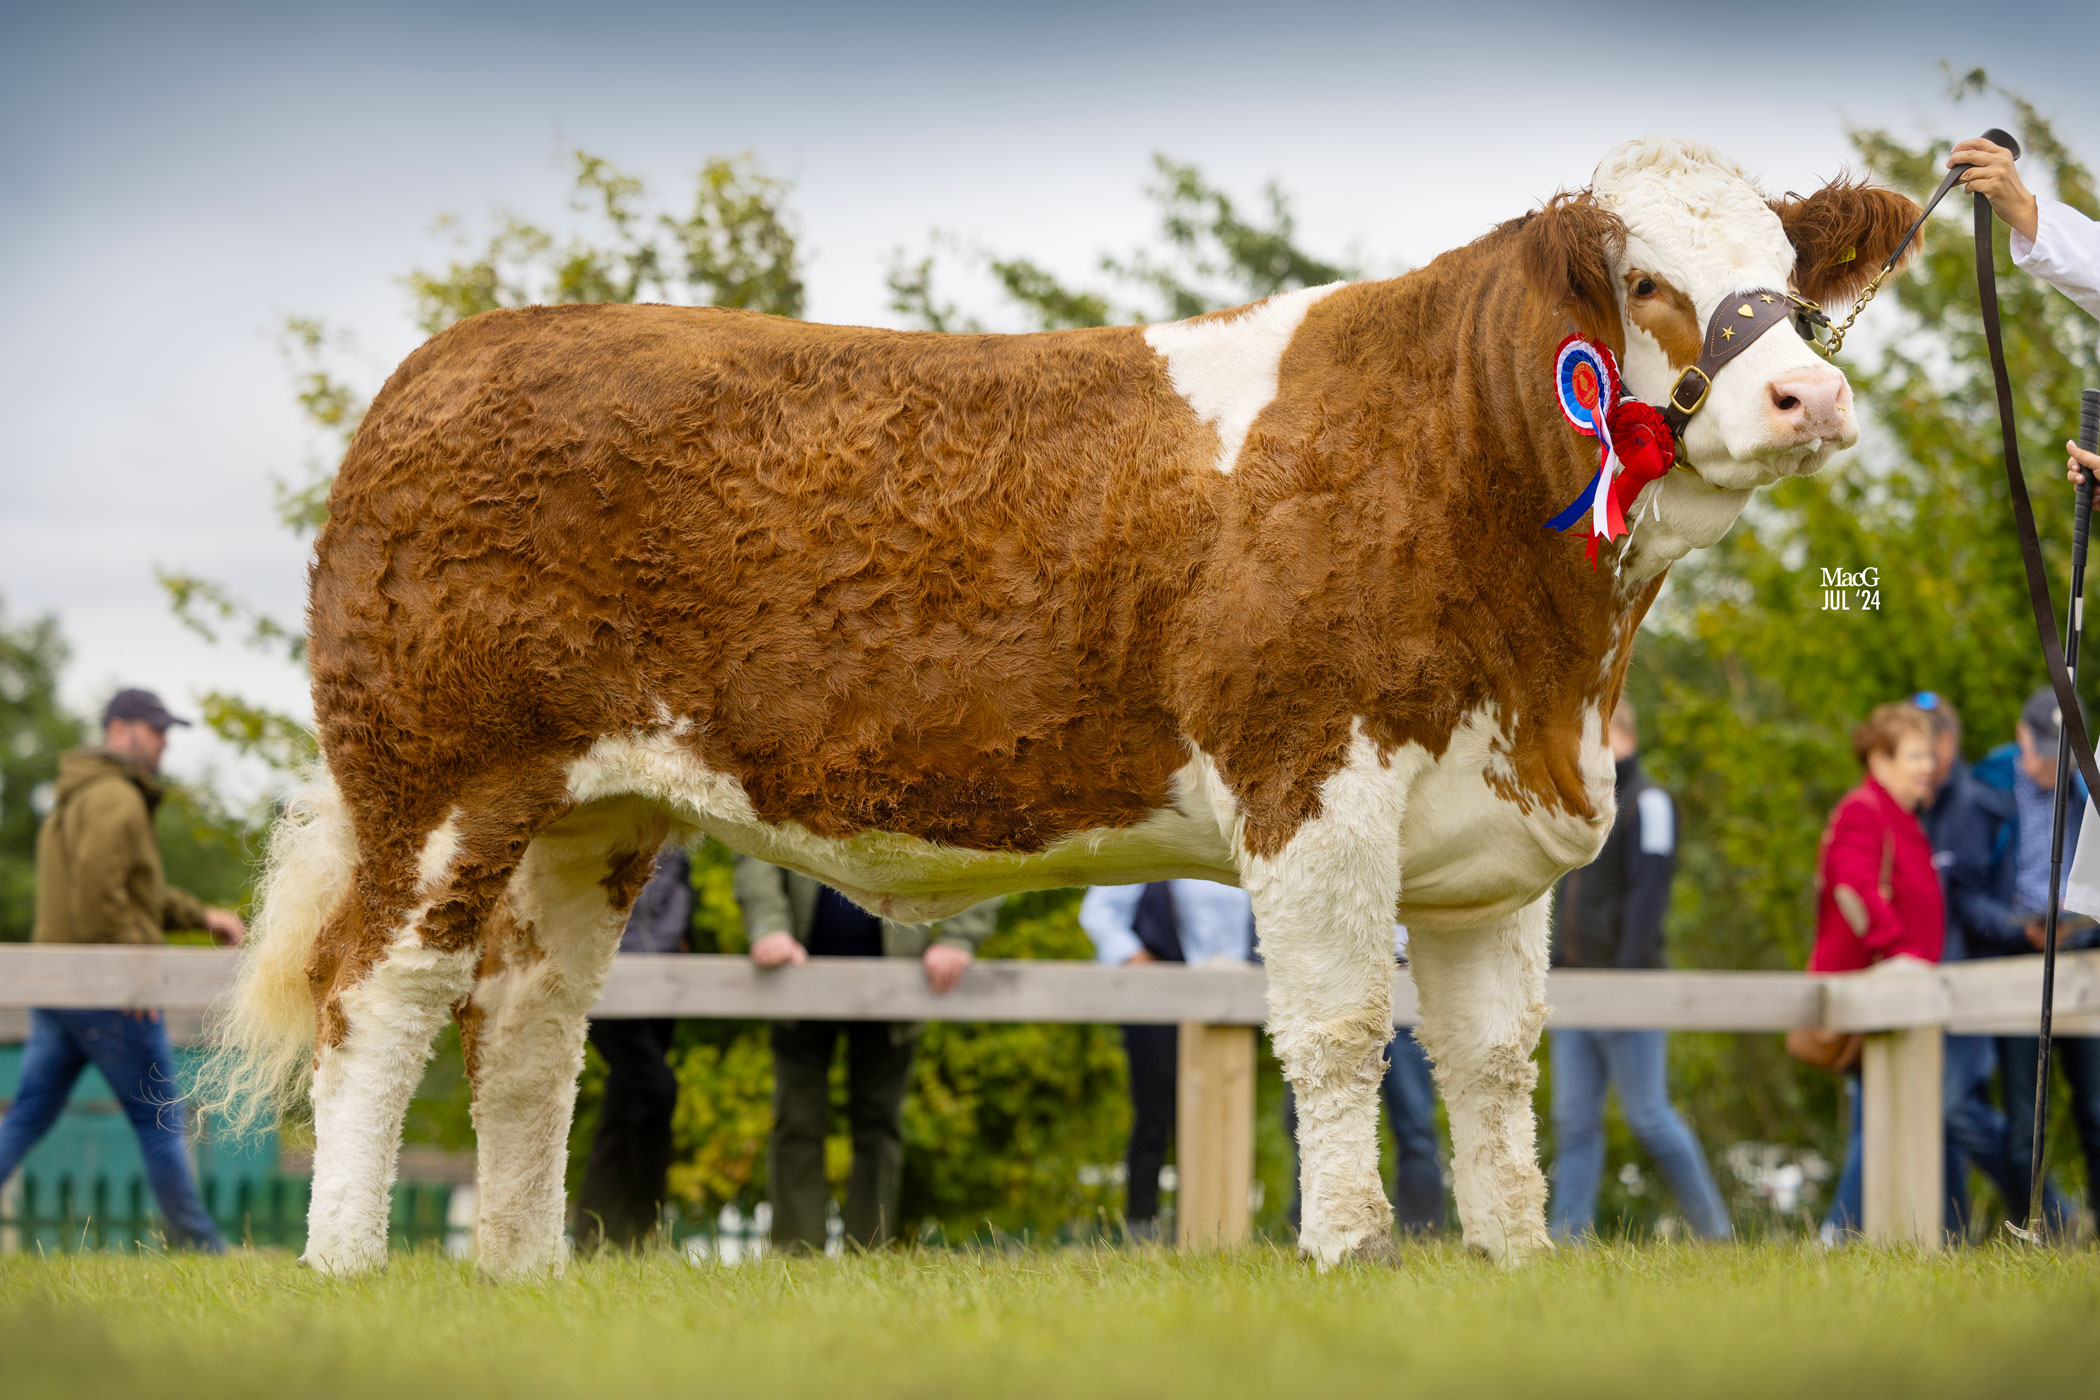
pixel 343 1264
pixel 1376 1248
pixel 1513 1251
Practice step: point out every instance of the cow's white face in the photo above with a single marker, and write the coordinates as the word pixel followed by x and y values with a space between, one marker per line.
pixel 1698 235
pixel 1667 234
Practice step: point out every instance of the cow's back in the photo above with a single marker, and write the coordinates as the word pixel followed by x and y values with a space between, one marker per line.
pixel 884 580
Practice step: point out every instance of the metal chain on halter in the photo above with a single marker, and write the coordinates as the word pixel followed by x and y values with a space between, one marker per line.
pixel 1837 335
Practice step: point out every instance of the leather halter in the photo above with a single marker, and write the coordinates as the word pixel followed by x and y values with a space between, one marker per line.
pixel 1739 320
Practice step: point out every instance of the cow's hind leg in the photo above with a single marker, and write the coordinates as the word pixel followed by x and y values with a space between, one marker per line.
pixel 1324 906
pixel 393 958
pixel 550 943
pixel 1483 994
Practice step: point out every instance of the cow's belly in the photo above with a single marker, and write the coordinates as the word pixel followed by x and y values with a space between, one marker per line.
pixel 1469 854
pixel 904 877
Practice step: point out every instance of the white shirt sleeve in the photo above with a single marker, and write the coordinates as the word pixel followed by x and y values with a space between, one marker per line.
pixel 1658 822
pixel 1108 913
pixel 2082 880
pixel 2065 252
pixel 1217 921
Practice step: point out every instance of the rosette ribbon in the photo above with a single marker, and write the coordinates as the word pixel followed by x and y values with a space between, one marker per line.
pixel 1635 445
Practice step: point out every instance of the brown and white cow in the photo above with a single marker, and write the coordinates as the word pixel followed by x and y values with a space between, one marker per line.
pixel 1261 597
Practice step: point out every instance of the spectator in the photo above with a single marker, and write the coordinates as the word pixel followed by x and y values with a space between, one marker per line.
pixel 1195 921
pixel 1976 1131
pixel 1611 915
pixel 792 918
pixel 1877 894
pixel 621 1197
pixel 98 880
pixel 1999 881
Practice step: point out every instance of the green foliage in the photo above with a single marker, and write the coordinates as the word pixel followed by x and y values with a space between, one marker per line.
pixel 1209 256
pixel 1748 690
pixel 736 247
pixel 34 731
pixel 206 849
pixel 1002 1118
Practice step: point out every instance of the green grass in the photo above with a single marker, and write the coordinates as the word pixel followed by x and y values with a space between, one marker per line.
pixel 1762 1321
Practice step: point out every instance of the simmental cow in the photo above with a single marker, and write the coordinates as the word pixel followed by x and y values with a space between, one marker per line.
pixel 1261 597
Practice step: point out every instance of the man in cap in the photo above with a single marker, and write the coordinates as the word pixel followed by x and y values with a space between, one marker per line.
pixel 1998 897
pixel 98 880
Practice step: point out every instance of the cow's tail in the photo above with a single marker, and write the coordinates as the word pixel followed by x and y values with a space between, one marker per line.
pixel 262 1036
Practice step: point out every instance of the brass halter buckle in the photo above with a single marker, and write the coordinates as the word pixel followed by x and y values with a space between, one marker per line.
pixel 1706 385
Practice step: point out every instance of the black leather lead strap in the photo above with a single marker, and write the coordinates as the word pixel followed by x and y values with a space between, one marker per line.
pixel 2060 681
pixel 2074 732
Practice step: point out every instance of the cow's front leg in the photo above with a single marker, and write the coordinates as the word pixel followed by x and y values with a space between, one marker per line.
pixel 1483 995
pixel 1324 905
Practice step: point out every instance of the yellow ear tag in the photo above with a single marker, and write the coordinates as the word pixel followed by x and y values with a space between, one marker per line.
pixel 1847 256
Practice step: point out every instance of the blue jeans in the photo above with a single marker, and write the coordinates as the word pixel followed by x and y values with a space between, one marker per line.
pixel 1410 1111
pixel 1973 1131
pixel 136 1059
pixel 1636 1064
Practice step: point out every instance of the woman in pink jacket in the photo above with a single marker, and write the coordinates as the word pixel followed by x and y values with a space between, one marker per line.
pixel 1877 894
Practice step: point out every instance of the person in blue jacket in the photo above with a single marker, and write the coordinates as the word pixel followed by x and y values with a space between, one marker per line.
pixel 1997 842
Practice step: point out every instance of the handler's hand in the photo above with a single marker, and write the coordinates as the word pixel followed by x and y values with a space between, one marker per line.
pixel 1142 955
pixel 2081 462
pixel 225 927
pixel 779 949
pixel 1993 175
pixel 944 965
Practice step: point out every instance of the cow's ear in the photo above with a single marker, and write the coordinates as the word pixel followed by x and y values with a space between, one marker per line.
pixel 1569 248
pixel 1842 234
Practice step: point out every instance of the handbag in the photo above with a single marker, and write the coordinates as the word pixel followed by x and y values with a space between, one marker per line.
pixel 1839 1052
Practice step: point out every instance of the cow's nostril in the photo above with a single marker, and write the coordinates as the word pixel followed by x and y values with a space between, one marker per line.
pixel 1786 403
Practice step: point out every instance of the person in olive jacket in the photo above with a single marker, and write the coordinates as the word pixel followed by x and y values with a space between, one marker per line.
pixel 99 880
pixel 789 919
pixel 1611 915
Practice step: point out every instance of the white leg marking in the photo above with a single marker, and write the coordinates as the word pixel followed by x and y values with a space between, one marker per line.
pixel 530 1045
pixel 1324 906
pixel 361 1091
pixel 1483 994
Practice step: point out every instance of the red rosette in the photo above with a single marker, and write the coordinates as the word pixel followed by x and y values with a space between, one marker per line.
pixel 1645 446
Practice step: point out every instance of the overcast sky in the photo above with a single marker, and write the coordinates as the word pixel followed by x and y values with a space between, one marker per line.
pixel 179 178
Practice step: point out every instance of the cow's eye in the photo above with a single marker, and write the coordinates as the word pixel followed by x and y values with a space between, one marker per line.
pixel 1645 287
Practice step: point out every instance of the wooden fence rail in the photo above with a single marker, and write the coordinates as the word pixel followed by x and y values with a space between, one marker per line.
pixel 1904 1007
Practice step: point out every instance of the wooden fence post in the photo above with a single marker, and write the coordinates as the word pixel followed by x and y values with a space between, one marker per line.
pixel 1903 1171
pixel 1214 1135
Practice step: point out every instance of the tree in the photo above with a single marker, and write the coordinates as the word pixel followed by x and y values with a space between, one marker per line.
pixel 1210 256
pixel 34 730
pixel 1748 689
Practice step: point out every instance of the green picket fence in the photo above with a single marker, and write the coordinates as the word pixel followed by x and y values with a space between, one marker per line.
pixel 71 1212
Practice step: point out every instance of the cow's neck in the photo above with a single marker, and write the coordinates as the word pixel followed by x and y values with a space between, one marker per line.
pixel 1382 544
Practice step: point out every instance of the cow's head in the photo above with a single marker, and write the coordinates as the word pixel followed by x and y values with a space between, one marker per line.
pixel 1666 234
